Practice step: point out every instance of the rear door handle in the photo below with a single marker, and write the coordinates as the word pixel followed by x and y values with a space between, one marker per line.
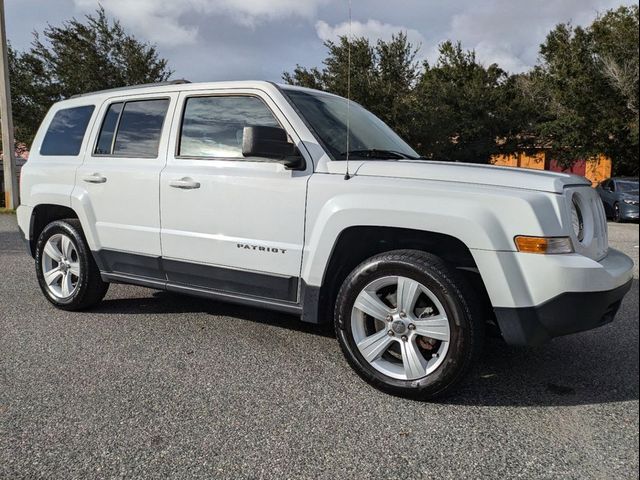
pixel 185 183
pixel 95 178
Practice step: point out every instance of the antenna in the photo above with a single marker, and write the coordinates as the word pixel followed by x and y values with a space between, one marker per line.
pixel 346 175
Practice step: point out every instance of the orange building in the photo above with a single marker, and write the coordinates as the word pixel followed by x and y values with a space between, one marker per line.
pixel 595 169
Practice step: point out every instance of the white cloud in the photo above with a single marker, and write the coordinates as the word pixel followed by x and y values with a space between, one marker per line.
pixel 161 21
pixel 371 29
pixel 509 33
pixel 250 11
pixel 502 54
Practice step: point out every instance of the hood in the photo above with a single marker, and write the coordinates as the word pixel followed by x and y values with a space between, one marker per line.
pixel 510 177
pixel 632 195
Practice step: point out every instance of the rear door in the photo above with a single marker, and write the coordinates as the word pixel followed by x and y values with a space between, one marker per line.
pixel 229 223
pixel 120 179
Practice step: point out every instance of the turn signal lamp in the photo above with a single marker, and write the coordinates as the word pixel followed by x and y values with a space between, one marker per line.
pixel 544 245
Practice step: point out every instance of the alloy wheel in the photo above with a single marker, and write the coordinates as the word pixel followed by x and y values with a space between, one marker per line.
pixel 400 327
pixel 61 266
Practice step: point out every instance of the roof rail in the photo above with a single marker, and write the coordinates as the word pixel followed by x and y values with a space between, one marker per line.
pixel 178 81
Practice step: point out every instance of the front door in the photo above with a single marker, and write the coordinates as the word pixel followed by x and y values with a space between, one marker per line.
pixel 121 178
pixel 230 224
pixel 606 189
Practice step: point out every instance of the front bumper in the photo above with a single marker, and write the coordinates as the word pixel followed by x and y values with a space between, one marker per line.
pixel 565 314
pixel 538 297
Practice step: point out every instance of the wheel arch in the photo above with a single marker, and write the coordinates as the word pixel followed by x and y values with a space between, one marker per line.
pixel 357 243
pixel 42 215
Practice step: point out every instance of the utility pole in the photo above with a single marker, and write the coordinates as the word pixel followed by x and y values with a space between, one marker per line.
pixel 8 145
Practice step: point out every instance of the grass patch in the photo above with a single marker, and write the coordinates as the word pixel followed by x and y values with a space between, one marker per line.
pixel 7 211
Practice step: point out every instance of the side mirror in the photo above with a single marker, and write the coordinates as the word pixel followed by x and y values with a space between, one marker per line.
pixel 270 142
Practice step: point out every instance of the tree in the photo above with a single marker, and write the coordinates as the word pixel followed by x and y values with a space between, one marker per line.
pixel 587 89
pixel 469 112
pixel 30 98
pixel 580 101
pixel 615 39
pixel 383 77
pixel 74 58
pixel 456 109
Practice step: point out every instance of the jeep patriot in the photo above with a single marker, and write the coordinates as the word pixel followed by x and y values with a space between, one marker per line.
pixel 246 192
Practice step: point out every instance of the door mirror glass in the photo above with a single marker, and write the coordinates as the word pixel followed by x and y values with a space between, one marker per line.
pixel 270 142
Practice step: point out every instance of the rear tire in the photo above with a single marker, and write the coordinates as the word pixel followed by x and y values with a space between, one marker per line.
pixel 66 271
pixel 409 324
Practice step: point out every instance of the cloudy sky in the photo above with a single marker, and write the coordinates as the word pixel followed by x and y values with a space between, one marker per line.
pixel 259 39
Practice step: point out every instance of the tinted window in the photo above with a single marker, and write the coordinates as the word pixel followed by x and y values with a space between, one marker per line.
pixel 626 186
pixel 66 131
pixel 140 127
pixel 212 126
pixel 105 140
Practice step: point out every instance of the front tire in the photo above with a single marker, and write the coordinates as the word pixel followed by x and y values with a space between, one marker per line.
pixel 66 271
pixel 617 216
pixel 408 324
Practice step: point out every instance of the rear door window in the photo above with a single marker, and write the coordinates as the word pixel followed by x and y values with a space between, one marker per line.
pixel 66 131
pixel 132 129
pixel 108 130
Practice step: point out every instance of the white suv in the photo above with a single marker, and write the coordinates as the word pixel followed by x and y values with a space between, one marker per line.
pixel 244 192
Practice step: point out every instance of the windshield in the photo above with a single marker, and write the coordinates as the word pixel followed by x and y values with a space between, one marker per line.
pixel 627 186
pixel 369 136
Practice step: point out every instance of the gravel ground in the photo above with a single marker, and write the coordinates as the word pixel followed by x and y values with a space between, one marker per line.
pixel 155 385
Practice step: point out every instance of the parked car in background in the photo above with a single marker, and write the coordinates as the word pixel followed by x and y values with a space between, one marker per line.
pixel 620 198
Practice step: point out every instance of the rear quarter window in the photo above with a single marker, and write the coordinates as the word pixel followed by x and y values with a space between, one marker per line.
pixel 66 131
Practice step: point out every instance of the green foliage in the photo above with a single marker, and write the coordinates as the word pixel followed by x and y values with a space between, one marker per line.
pixel 469 112
pixel 580 101
pixel 587 87
pixel 77 57
pixel 383 77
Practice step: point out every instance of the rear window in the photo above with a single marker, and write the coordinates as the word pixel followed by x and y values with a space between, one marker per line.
pixel 66 131
pixel 132 129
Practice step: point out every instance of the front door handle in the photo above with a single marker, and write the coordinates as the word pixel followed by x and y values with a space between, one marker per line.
pixel 185 183
pixel 95 178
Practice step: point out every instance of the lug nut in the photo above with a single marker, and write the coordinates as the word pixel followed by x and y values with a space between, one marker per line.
pixel 389 318
pixel 402 314
pixel 412 326
pixel 390 333
pixel 404 338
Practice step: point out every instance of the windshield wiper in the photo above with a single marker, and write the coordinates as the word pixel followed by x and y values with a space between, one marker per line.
pixel 378 153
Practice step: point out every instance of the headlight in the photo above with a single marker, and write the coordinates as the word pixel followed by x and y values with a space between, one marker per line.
pixel 631 202
pixel 577 220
